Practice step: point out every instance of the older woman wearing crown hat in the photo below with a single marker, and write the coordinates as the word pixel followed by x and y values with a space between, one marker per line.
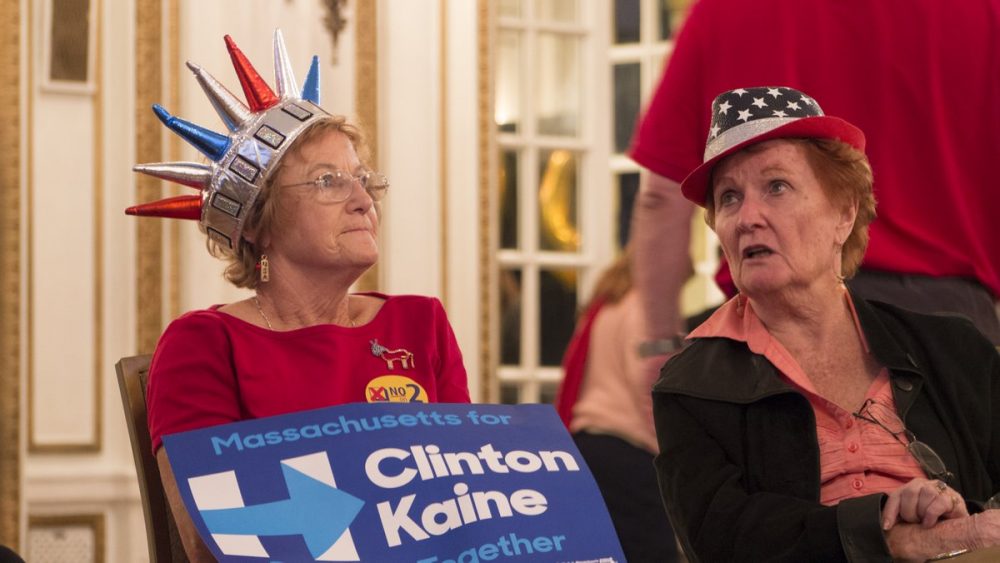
pixel 289 202
pixel 802 423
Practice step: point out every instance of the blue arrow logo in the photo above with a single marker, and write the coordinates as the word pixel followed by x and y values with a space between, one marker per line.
pixel 316 511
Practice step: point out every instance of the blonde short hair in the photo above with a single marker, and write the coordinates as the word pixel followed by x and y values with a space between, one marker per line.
pixel 241 269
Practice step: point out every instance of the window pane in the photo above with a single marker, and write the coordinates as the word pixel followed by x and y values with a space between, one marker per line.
pixel 626 103
pixel 626 21
pixel 510 394
pixel 510 317
pixel 510 8
pixel 557 83
pixel 671 15
pixel 557 313
pixel 557 201
pixel 548 393
pixel 628 187
pixel 508 199
pixel 557 10
pixel 508 86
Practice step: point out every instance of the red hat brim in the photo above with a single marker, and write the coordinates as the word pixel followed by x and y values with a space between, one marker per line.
pixel 695 186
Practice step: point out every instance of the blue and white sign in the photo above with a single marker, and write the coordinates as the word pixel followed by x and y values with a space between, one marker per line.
pixel 416 483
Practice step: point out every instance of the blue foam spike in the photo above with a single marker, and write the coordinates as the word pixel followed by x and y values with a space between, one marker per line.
pixel 310 90
pixel 211 144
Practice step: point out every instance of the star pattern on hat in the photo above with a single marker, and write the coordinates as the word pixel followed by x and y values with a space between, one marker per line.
pixel 744 105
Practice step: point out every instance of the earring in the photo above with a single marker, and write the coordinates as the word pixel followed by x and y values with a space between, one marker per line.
pixel 265 268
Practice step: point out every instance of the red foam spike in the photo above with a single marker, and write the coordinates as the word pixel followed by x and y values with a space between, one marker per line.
pixel 180 207
pixel 259 95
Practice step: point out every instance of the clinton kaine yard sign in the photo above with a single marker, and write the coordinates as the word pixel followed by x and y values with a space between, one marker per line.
pixel 420 483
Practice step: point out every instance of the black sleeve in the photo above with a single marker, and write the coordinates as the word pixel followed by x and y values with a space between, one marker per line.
pixel 719 519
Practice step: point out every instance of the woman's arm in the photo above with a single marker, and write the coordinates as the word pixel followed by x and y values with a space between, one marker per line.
pixel 718 519
pixel 192 378
pixel 912 542
pixel 191 385
pixel 452 381
pixel 661 259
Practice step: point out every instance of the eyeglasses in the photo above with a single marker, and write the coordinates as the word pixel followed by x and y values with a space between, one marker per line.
pixel 888 420
pixel 336 186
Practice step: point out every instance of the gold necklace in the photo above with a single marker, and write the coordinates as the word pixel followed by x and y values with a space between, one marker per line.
pixel 256 301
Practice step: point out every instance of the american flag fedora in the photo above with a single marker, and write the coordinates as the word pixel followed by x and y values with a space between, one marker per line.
pixel 747 116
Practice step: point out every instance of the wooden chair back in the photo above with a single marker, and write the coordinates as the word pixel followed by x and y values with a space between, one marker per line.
pixel 161 530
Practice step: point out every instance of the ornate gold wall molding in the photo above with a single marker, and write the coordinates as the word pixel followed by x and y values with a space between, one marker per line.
pixel 99 369
pixel 487 159
pixel 174 150
pixel 366 71
pixel 148 148
pixel 366 95
pixel 10 270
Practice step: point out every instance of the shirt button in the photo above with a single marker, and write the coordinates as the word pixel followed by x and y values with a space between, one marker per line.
pixel 903 385
pixel 852 447
pixel 857 484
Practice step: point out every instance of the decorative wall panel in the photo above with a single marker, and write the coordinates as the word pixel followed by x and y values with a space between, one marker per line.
pixel 64 241
pixel 11 106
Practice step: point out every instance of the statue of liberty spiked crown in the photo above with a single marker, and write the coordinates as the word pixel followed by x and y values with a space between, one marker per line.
pixel 260 133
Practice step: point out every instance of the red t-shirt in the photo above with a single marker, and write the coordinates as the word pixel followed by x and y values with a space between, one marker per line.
pixel 212 368
pixel 919 77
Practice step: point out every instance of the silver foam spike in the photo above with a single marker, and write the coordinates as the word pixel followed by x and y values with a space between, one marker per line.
pixel 284 78
pixel 190 174
pixel 231 110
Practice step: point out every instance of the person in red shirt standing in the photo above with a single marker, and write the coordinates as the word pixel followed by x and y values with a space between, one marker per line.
pixel 920 77
pixel 289 202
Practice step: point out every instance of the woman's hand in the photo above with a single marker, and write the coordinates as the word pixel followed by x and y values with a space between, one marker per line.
pixel 922 501
pixel 911 542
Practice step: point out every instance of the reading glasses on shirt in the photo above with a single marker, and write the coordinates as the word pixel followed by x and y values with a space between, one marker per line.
pixel 887 419
pixel 336 186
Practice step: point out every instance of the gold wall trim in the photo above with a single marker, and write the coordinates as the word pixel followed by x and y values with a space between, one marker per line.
pixel 443 162
pixel 96 443
pixel 10 271
pixel 366 96
pixel 93 521
pixel 366 72
pixel 174 155
pixel 148 148
pixel 487 256
pixel 98 225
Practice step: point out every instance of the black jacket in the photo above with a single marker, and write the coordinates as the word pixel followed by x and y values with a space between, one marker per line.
pixel 739 458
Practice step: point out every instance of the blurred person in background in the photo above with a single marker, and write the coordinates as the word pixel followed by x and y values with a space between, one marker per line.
pixel 605 402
